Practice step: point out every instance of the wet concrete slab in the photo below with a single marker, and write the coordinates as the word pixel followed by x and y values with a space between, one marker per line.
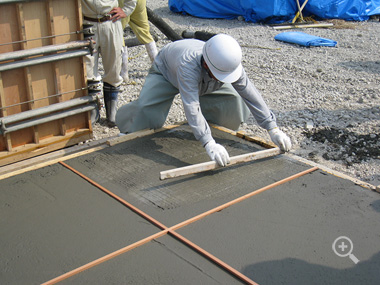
pixel 53 221
pixel 162 261
pixel 285 235
pixel 131 170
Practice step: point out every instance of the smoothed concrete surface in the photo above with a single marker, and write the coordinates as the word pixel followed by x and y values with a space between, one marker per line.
pixel 53 221
pixel 131 170
pixel 162 261
pixel 285 235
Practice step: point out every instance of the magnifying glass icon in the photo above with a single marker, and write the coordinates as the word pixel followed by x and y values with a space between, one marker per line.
pixel 343 247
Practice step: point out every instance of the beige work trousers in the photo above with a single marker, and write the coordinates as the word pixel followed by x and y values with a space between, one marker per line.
pixel 109 44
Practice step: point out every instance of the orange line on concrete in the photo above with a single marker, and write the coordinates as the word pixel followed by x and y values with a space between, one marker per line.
pixel 237 200
pixel 171 230
pixel 104 258
pixel 214 259
pixel 130 206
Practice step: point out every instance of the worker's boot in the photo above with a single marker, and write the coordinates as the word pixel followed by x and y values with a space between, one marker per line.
pixel 124 65
pixel 151 48
pixel 95 90
pixel 110 94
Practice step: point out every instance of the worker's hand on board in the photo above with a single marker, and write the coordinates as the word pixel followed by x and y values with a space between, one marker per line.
pixel 280 139
pixel 217 153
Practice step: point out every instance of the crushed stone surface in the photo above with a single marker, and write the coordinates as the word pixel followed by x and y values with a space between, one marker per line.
pixel 326 99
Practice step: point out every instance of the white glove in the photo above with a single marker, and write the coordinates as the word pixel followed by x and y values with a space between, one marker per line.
pixel 280 139
pixel 217 153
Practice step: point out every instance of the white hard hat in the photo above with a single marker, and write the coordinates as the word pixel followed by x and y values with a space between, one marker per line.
pixel 222 53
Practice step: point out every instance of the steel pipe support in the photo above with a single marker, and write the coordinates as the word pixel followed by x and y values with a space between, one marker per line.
pixel 43 59
pixel 45 119
pixel 43 50
pixel 46 110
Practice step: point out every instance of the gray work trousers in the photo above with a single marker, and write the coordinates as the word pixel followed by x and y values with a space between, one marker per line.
pixel 223 107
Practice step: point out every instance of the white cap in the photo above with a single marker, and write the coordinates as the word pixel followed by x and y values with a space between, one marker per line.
pixel 222 53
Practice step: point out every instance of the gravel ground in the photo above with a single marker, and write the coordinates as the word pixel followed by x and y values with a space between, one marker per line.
pixel 326 99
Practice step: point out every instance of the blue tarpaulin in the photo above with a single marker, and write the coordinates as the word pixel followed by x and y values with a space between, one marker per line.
pixel 276 11
pixel 350 10
pixel 270 11
pixel 304 39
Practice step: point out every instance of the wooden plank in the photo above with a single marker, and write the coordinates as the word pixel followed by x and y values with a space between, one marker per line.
pixel 27 82
pixel 142 133
pixel 79 18
pixel 27 72
pixel 301 26
pixel 256 140
pixel 210 165
pixel 5 140
pixel 29 91
pixel 56 73
pixel 51 158
pixel 47 145
pixel 82 69
pixel 3 112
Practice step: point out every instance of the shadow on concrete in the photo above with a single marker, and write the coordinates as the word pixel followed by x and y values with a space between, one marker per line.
pixel 376 206
pixel 296 271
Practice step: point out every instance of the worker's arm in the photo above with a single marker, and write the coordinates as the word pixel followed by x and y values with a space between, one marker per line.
pixel 129 6
pixel 188 87
pixel 259 109
pixel 125 10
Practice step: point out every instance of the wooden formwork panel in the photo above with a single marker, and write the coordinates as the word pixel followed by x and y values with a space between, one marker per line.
pixel 33 24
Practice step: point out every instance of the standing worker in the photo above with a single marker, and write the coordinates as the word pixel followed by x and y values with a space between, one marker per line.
pixel 213 86
pixel 138 21
pixel 105 16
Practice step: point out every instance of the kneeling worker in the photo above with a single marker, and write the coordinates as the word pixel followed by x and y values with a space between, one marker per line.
pixel 214 87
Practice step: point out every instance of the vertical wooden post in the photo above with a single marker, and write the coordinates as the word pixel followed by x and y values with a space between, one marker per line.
pixel 27 73
pixel 83 67
pixel 56 75
pixel 7 138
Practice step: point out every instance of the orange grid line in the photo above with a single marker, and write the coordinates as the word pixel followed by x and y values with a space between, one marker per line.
pixel 171 230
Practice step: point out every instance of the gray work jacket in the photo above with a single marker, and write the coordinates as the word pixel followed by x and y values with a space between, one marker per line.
pixel 180 64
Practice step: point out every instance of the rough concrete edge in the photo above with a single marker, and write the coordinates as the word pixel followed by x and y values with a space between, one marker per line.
pixel 266 144
pixel 334 172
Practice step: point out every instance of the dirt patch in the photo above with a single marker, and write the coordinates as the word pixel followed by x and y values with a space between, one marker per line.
pixel 346 145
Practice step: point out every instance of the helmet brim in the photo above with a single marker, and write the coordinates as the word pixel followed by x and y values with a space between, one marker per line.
pixel 225 77
pixel 228 77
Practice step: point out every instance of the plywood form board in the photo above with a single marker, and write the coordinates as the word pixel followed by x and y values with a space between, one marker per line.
pixel 9 28
pixel 31 25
